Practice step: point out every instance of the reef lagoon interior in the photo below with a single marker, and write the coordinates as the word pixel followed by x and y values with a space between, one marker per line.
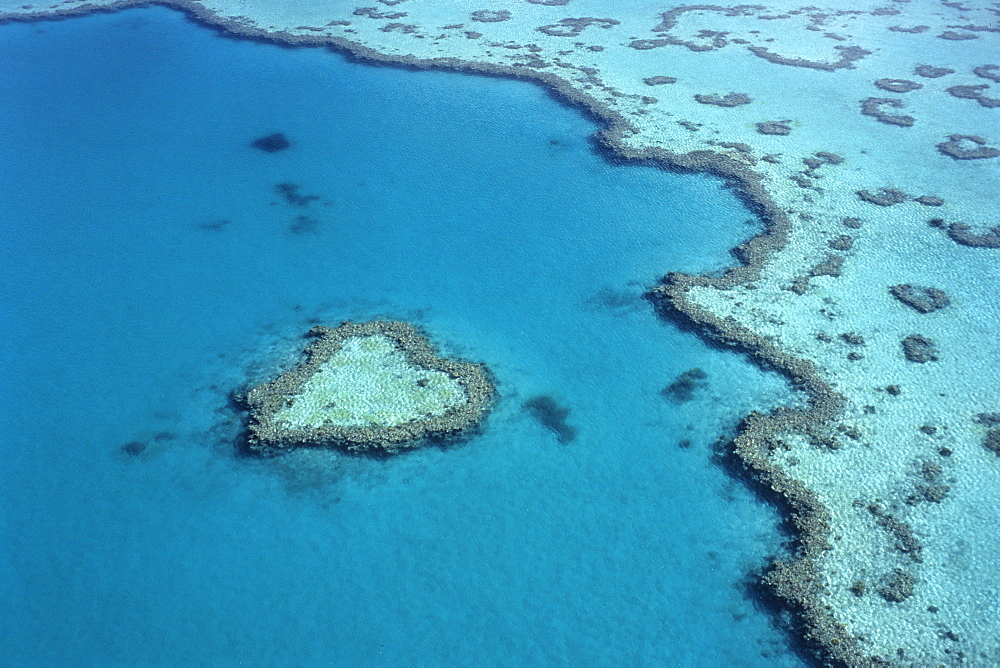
pixel 153 262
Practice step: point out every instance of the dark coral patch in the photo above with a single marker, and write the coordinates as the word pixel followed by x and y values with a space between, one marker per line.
pixel 841 242
pixel 552 416
pixel 919 348
pixel 134 448
pixel 922 300
pixel 290 193
pixel 884 197
pixel 965 235
pixel 967 92
pixel 974 93
pixel 931 72
pixel 271 143
pixel 683 387
pixel 848 54
pixel 988 72
pixel 490 16
pixel 957 36
pixel 659 80
pixel 780 128
pixel 992 441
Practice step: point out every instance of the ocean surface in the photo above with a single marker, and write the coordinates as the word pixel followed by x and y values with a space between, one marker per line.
pixel 149 268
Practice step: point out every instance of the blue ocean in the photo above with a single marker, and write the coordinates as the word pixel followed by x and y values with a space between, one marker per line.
pixel 153 262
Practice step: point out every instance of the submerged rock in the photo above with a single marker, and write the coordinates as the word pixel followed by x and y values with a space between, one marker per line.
pixel 362 387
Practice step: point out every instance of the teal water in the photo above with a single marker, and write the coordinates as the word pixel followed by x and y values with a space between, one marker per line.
pixel 148 268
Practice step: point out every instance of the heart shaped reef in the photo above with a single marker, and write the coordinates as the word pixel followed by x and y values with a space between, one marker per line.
pixel 369 386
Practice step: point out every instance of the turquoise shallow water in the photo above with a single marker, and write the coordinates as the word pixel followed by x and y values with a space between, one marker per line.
pixel 148 268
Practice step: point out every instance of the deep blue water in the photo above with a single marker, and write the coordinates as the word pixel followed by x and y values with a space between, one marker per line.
pixel 148 268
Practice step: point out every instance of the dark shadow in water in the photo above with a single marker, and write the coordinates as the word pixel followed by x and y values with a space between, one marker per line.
pixel 290 193
pixel 552 416
pixel 134 448
pixel 303 225
pixel 271 143
pixel 617 300
pixel 214 226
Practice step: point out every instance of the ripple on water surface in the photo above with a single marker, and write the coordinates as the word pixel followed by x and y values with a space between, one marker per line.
pixel 157 259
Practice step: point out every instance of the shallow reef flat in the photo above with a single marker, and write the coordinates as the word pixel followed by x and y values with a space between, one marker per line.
pixel 374 386
pixel 865 135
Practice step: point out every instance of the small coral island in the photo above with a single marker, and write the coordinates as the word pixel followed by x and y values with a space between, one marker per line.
pixel 375 386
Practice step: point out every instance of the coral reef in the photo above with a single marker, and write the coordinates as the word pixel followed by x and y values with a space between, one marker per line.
pixel 573 27
pixel 963 234
pixel 375 386
pixel 974 93
pixel 848 55
pixel 988 72
pixel 872 106
pixel 956 147
pixel 898 85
